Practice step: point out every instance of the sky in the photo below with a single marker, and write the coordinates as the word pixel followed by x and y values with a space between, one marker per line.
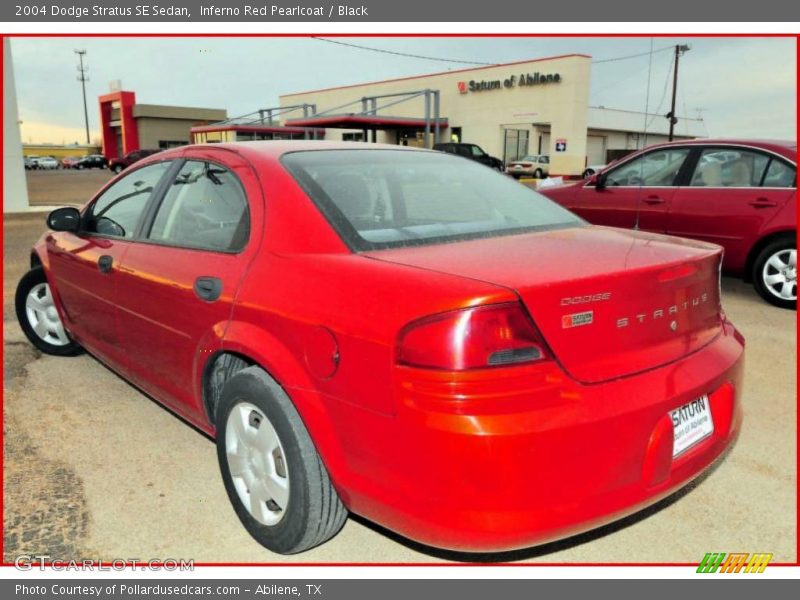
pixel 742 87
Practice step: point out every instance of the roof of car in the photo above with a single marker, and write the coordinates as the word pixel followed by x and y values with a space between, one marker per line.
pixel 277 148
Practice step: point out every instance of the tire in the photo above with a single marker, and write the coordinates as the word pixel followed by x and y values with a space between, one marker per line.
pixel 38 317
pixel 537 174
pixel 587 173
pixel 775 273
pixel 302 509
pixel 117 169
pixel 80 167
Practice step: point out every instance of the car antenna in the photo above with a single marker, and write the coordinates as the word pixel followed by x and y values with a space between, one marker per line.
pixel 644 138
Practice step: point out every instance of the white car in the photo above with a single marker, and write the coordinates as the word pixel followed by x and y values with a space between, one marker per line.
pixel 47 162
pixel 591 170
pixel 532 165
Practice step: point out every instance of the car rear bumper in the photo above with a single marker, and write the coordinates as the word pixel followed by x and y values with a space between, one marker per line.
pixel 524 171
pixel 531 456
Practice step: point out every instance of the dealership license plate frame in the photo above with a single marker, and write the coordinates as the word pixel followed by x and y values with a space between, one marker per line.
pixel 691 428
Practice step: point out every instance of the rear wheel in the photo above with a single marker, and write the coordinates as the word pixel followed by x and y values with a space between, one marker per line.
pixel 272 472
pixel 38 317
pixel 775 273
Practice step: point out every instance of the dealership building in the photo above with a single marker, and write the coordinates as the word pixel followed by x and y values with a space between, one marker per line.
pixel 126 126
pixel 536 106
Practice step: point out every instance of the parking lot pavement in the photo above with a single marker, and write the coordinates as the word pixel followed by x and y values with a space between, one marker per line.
pixel 95 469
pixel 64 186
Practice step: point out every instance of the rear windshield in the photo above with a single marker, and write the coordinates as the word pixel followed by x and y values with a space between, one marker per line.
pixel 390 198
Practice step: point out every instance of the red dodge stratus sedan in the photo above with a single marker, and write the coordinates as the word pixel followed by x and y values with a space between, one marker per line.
pixel 403 334
pixel 739 194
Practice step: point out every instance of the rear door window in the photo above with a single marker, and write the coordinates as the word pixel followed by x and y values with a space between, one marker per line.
pixel 780 175
pixel 729 167
pixel 205 207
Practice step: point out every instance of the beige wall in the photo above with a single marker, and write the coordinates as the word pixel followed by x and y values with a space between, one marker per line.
pixel 151 131
pixel 484 115
pixel 185 113
pixel 58 151
pixel 213 137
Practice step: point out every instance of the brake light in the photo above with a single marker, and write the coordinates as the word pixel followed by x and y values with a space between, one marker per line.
pixel 473 338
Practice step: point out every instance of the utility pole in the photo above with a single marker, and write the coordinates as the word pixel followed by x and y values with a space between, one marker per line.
pixel 679 49
pixel 83 79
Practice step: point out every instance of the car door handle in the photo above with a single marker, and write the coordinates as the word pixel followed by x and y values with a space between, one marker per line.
pixel 208 288
pixel 104 263
pixel 762 203
pixel 654 200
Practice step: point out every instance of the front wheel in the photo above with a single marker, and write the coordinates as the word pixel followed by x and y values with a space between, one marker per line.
pixel 39 318
pixel 272 472
pixel 775 273
pixel 537 174
pixel 117 169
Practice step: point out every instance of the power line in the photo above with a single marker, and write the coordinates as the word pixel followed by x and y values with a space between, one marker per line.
pixel 407 55
pixel 466 62
pixel 663 93
pixel 647 99
pixel 607 60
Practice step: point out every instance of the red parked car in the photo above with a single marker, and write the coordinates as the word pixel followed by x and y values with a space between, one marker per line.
pixel 123 162
pixel 398 333
pixel 739 194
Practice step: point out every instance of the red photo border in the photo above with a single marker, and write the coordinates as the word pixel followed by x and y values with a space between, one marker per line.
pixel 794 36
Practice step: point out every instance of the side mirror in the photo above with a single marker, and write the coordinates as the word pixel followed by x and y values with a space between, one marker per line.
pixel 598 180
pixel 64 219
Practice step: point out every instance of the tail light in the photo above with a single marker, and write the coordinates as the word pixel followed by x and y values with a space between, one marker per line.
pixel 473 338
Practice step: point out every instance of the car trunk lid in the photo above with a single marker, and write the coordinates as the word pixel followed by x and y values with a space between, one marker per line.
pixel 608 302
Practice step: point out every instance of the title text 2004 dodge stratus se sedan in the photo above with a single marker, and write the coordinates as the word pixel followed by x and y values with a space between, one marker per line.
pixel 399 333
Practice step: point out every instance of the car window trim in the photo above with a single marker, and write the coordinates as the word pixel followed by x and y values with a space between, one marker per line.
pixel 158 189
pixel 143 230
pixel 147 225
pixel 689 166
pixel 766 170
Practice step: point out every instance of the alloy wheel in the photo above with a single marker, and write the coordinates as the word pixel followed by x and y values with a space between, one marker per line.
pixel 780 274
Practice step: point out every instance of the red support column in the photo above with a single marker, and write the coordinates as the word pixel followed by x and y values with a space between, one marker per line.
pixel 128 130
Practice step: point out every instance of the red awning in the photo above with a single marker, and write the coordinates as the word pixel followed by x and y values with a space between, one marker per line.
pixel 254 129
